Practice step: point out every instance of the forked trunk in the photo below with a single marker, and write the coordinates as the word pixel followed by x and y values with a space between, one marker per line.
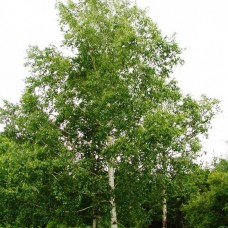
pixel 164 209
pixel 111 173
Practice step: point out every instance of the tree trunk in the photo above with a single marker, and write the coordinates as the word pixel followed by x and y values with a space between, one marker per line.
pixel 164 209
pixel 111 173
pixel 94 222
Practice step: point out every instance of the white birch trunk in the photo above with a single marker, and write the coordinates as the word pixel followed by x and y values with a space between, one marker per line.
pixel 164 209
pixel 111 173
pixel 94 223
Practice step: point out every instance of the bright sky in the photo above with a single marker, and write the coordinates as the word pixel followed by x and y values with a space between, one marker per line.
pixel 200 26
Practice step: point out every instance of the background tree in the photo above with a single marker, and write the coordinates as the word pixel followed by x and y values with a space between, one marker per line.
pixel 208 208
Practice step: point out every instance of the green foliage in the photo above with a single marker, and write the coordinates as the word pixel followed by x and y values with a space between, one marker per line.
pixel 208 208
pixel 30 179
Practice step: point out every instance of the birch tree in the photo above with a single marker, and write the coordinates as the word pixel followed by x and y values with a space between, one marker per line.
pixel 118 70
pixel 102 86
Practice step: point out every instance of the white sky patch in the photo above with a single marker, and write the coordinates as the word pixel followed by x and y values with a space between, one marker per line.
pixel 200 26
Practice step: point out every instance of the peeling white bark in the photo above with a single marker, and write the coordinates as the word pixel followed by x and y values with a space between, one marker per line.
pixel 111 173
pixel 164 209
